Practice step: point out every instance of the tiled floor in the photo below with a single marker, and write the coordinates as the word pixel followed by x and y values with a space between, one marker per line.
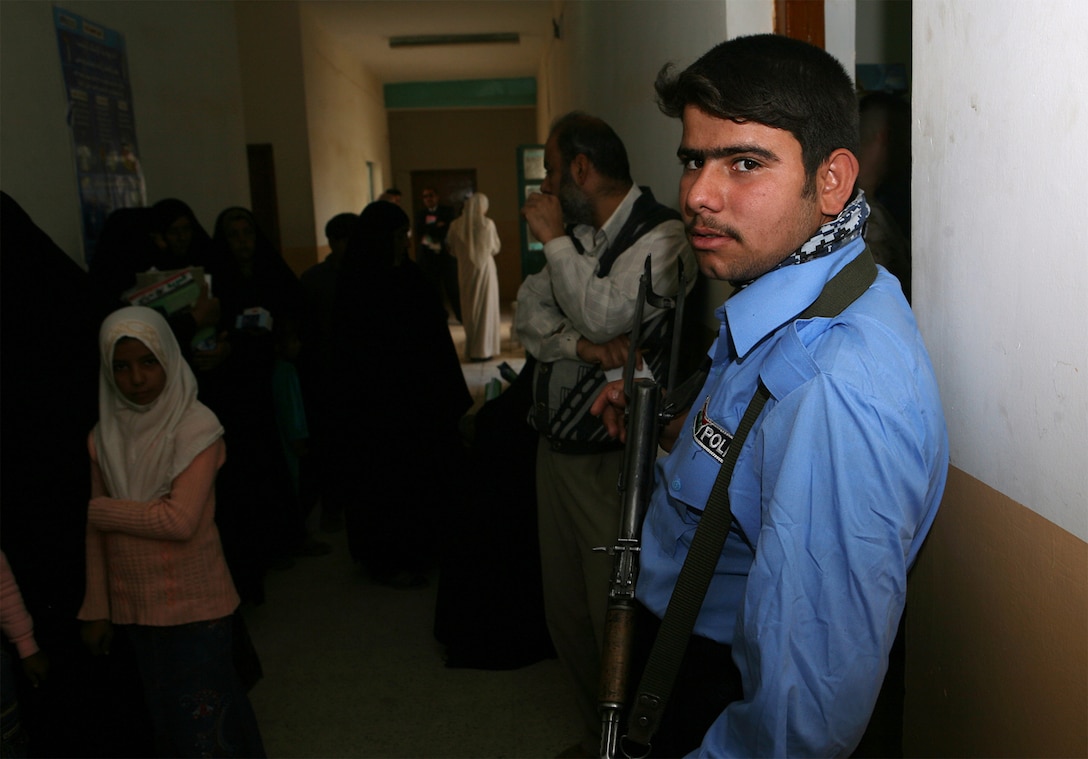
pixel 478 374
pixel 352 668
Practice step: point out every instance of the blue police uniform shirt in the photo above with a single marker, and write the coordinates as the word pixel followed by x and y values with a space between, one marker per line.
pixel 832 495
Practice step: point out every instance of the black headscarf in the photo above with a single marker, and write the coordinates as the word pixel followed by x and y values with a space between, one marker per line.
pixel 124 248
pixel 273 285
pixel 395 364
pixel 380 231
pixel 385 307
pixel 169 210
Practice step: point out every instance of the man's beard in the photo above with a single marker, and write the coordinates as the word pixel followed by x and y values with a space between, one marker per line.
pixel 576 205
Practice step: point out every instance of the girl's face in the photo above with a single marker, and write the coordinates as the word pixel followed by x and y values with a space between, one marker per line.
pixel 136 372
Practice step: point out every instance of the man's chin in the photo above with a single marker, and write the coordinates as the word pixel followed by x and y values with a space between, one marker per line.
pixel 712 266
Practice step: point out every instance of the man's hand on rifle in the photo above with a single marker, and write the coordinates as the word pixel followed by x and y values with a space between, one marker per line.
pixel 609 406
pixel 610 355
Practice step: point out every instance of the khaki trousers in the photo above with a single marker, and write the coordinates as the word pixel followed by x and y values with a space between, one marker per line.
pixel 578 507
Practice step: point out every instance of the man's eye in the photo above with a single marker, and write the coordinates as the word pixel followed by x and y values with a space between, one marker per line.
pixel 745 165
pixel 693 164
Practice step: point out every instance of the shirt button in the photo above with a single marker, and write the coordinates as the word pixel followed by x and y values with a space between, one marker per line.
pixel 676 484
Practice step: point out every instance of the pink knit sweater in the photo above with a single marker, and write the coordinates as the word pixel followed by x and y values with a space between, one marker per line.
pixel 15 620
pixel 158 563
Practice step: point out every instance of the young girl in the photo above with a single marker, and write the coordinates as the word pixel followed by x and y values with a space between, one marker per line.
pixel 155 566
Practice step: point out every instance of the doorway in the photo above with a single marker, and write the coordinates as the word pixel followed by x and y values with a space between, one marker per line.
pixel 452 185
pixel 262 190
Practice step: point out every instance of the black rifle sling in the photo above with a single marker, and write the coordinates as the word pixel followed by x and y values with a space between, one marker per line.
pixel 709 538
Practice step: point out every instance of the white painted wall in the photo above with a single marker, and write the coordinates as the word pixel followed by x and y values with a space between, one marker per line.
pixel 185 80
pixel 1000 242
pixel 840 22
pixel 636 45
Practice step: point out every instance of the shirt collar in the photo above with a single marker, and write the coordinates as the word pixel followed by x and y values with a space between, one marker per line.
pixel 615 222
pixel 765 304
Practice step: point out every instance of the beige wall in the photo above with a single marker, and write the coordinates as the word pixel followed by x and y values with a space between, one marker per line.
pixel 997 632
pixel 482 139
pixel 345 111
pixel 274 98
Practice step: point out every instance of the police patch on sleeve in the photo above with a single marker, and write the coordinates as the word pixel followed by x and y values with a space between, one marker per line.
pixel 709 436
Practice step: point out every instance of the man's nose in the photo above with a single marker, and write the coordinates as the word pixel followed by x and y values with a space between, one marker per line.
pixel 703 193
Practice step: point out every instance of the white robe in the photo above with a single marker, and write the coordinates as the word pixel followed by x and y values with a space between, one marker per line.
pixel 474 241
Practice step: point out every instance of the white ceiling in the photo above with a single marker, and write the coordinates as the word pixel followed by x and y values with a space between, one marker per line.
pixel 365 26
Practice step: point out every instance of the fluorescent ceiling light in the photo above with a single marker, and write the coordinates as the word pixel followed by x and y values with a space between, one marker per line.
pixel 421 40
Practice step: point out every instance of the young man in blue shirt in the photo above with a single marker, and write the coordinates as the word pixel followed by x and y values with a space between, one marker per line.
pixel 839 480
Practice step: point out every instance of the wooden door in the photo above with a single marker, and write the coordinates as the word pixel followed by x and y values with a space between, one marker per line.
pixel 263 200
pixel 800 20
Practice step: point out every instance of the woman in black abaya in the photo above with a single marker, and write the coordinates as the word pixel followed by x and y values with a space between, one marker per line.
pixel 400 395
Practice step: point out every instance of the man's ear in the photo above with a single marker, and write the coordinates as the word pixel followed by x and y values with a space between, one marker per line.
pixel 580 169
pixel 835 181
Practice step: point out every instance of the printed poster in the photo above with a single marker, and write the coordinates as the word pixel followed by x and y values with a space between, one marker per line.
pixel 101 118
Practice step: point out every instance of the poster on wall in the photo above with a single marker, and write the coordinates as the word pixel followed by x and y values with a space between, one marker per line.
pixel 100 116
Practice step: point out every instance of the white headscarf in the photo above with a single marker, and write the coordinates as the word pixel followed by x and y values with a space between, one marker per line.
pixel 472 235
pixel 141 449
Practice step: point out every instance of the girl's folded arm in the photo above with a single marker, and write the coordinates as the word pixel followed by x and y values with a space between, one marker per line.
pixel 176 515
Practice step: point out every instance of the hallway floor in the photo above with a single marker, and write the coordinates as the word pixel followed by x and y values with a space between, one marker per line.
pixel 352 669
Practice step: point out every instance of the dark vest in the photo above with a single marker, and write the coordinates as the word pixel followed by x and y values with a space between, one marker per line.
pixel 563 391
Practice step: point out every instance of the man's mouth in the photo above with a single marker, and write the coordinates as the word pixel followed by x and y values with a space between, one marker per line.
pixel 704 232
pixel 703 236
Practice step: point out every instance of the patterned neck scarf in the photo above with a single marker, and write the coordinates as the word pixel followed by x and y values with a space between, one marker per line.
pixel 844 228
pixel 834 234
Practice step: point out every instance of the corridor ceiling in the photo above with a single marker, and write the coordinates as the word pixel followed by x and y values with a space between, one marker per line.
pixel 365 27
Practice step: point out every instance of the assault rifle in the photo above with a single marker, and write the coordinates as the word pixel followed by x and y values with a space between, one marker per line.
pixel 647 412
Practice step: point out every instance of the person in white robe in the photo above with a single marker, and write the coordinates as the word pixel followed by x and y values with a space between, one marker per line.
pixel 474 242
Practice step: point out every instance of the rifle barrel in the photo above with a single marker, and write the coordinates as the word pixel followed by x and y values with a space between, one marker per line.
pixel 636 485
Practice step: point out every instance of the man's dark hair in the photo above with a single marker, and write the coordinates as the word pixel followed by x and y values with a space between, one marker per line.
pixel 578 133
pixel 772 80
pixel 340 227
pixel 393 191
